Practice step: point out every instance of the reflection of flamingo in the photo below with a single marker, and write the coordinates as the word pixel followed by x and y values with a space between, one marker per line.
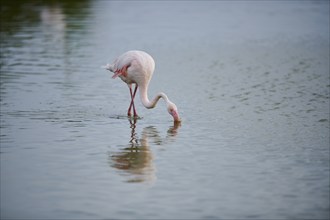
pixel 137 67
pixel 136 159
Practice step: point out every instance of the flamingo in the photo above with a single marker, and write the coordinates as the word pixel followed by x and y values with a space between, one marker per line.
pixel 137 67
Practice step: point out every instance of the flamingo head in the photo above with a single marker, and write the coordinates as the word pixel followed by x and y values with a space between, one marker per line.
pixel 173 110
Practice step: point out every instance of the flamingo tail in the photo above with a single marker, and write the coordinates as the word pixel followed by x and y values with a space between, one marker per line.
pixel 109 67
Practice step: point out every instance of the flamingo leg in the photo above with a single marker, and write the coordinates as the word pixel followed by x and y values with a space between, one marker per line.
pixel 135 89
pixel 130 106
pixel 132 101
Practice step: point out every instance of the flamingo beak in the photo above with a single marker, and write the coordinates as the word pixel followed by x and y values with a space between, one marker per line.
pixel 175 116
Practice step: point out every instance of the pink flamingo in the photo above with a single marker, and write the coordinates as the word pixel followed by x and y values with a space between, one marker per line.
pixel 137 67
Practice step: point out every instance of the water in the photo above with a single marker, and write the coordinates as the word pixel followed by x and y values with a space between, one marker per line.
pixel 250 79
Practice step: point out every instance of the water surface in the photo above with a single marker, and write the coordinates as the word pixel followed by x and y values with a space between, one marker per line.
pixel 250 79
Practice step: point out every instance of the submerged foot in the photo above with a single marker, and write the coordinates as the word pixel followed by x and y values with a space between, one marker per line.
pixel 134 116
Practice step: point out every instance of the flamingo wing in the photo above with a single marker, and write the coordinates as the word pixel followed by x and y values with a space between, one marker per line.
pixel 121 65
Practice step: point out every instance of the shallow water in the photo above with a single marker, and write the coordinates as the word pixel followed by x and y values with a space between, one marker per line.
pixel 251 81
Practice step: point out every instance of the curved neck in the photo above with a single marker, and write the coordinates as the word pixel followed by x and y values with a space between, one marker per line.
pixel 145 100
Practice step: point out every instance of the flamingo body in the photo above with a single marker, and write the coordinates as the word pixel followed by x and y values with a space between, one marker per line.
pixel 137 67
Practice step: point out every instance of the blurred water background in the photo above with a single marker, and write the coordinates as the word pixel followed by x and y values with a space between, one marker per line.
pixel 250 79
